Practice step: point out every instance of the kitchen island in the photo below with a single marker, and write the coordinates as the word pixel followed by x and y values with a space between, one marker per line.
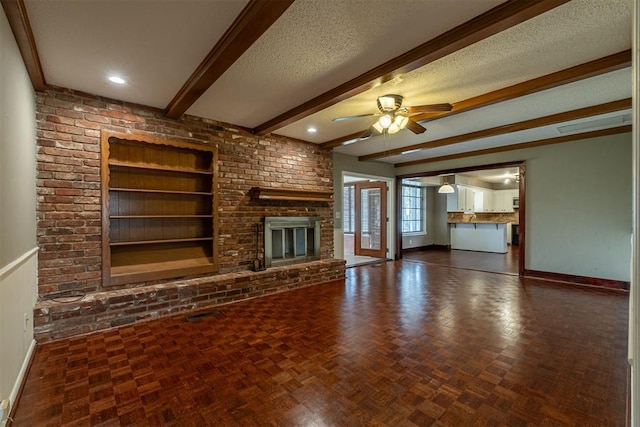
pixel 479 236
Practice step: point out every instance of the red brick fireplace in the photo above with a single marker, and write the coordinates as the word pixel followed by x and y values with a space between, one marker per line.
pixel 70 218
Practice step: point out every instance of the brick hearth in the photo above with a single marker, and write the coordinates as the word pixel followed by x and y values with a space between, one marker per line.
pixel 102 310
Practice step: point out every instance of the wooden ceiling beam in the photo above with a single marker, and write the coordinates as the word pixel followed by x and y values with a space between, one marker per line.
pixel 594 68
pixel 513 147
pixel 510 128
pixel 340 141
pixel 256 18
pixel 16 12
pixel 500 18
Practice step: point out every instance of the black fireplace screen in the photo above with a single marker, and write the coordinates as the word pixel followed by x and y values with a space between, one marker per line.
pixel 290 240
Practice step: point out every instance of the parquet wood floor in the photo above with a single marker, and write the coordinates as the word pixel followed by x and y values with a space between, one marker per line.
pixel 481 261
pixel 398 344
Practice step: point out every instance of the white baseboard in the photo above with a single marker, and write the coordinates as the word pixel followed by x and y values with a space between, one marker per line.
pixel 21 376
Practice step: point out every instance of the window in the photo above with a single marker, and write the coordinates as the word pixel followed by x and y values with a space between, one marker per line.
pixel 413 212
pixel 348 209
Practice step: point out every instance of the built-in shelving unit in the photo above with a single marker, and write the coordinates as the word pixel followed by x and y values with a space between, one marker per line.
pixel 266 193
pixel 159 208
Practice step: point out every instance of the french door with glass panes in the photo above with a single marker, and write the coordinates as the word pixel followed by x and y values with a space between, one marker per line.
pixel 371 219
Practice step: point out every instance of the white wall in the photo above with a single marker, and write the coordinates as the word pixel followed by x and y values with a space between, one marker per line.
pixel 578 201
pixel 18 247
pixel 441 234
pixel 634 299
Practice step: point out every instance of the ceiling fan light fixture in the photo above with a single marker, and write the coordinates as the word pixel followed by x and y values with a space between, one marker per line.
pixel 385 121
pixel 378 127
pixel 401 121
pixel 393 128
pixel 389 102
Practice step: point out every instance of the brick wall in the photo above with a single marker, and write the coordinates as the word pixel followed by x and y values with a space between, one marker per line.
pixel 68 185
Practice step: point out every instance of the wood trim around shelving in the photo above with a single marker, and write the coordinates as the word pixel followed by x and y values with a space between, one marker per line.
pixel 158 167
pixel 265 193
pixel 155 271
pixel 156 242
pixel 144 271
pixel 158 216
pixel 149 190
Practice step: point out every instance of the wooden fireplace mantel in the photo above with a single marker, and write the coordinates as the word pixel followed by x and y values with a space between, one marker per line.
pixel 266 193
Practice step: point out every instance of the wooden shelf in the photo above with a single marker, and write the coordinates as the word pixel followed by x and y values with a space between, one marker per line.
pixel 160 270
pixel 142 190
pixel 158 216
pixel 159 208
pixel 265 193
pixel 160 241
pixel 120 163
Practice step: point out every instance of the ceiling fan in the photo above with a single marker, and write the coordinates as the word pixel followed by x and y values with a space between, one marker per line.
pixel 394 117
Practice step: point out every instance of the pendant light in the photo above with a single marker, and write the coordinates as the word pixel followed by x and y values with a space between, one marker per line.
pixel 446 188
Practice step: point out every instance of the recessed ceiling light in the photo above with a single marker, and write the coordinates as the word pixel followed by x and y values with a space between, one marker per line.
pixel 116 79
pixel 312 130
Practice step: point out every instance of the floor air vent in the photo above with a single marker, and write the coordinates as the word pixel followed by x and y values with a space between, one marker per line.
pixel 199 316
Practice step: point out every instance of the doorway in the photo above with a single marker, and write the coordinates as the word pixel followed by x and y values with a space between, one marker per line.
pixel 485 196
pixel 365 220
pixel 370 219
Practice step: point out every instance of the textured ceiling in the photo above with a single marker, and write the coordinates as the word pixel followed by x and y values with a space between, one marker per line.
pixel 524 52
pixel 154 45
pixel 317 45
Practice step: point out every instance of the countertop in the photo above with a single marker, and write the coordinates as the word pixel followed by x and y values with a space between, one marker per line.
pixel 479 222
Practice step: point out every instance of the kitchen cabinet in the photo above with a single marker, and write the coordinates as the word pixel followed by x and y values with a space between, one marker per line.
pixel 483 237
pixel 456 201
pixel 461 200
pixel 478 201
pixel 487 196
pixel 470 199
pixel 503 200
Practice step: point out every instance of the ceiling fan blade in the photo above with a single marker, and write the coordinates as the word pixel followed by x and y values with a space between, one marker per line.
pixel 357 116
pixel 367 133
pixel 429 108
pixel 415 127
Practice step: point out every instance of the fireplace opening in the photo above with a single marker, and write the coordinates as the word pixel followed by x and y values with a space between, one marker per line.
pixel 291 240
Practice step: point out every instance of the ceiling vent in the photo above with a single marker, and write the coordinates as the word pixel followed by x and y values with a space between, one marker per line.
pixel 597 124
